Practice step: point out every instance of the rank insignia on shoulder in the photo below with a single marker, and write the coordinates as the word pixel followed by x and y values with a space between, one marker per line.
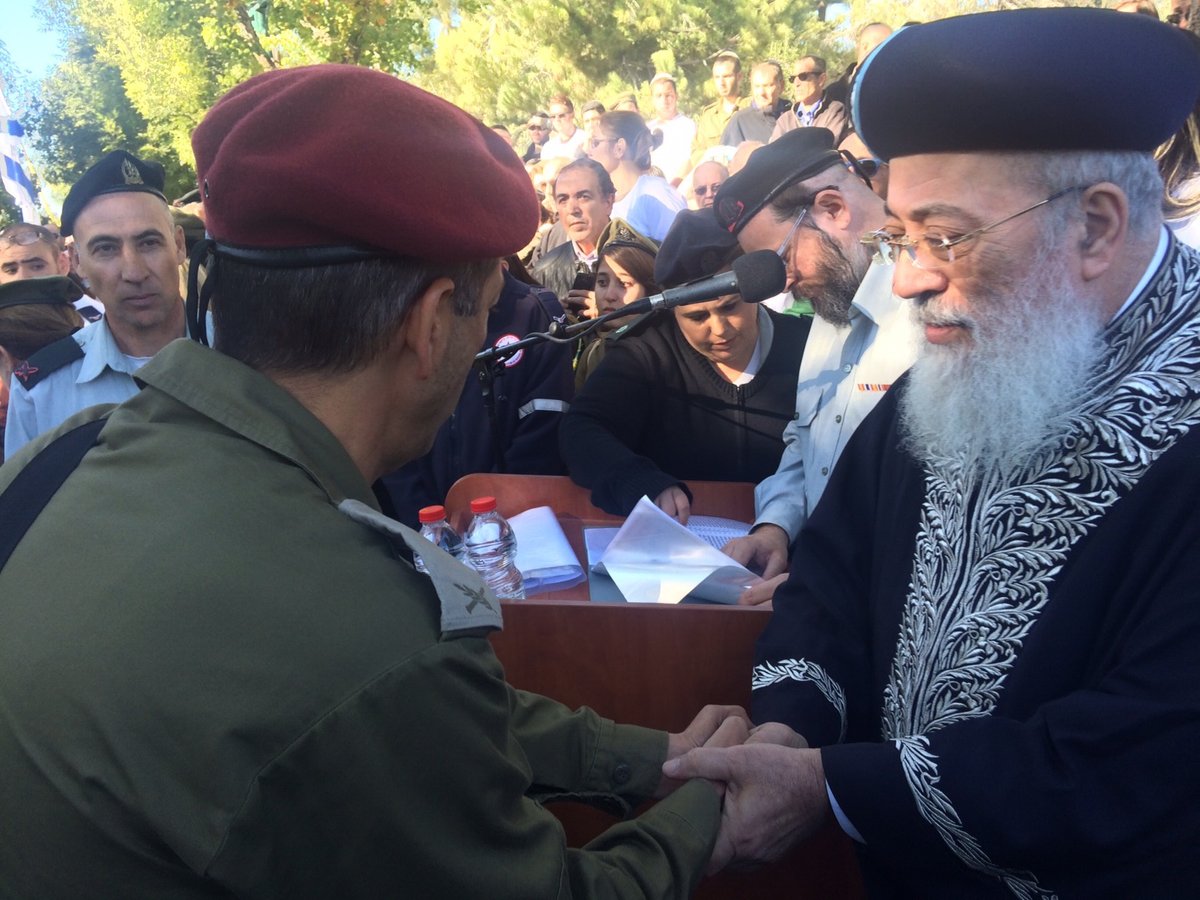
pixel 467 603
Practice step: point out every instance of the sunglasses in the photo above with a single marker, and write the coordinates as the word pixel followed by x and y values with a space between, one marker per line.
pixel 23 235
pixel 702 190
pixel 807 76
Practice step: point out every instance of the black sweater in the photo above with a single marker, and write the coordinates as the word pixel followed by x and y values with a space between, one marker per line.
pixel 656 413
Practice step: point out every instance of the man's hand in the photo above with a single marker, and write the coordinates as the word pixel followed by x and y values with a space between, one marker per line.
pixel 774 798
pixel 776 733
pixel 765 550
pixel 581 302
pixel 674 502
pixel 762 592
pixel 714 726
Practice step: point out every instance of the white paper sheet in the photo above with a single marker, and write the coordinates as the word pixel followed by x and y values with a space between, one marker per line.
pixel 654 559
pixel 544 554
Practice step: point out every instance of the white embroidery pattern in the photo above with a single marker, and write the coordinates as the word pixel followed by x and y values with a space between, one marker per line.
pixel 767 674
pixel 987 553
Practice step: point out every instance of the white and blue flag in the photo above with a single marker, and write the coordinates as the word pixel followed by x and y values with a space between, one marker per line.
pixel 12 170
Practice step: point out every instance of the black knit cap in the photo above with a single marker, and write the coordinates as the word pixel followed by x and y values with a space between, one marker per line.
pixel 772 169
pixel 54 290
pixel 1027 79
pixel 695 247
pixel 117 172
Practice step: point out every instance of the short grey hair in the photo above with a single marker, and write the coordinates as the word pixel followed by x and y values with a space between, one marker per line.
pixel 1135 173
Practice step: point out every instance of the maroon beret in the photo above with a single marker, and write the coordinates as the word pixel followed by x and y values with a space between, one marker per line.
pixel 343 156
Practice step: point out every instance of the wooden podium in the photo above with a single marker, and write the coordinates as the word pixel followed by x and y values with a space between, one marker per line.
pixel 649 665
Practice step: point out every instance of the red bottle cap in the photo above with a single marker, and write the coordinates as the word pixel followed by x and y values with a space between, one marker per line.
pixel 483 504
pixel 431 514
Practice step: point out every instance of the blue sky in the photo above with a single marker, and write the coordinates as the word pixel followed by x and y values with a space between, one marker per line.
pixel 31 48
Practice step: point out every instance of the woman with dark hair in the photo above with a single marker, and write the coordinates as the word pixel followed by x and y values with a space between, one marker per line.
pixel 622 144
pixel 624 273
pixel 34 313
pixel 702 392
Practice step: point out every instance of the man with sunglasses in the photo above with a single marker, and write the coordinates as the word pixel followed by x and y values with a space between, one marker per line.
pixel 538 127
pixel 991 629
pixel 30 251
pixel 797 196
pixel 812 108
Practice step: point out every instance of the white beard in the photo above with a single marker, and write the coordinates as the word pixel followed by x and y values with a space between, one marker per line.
pixel 983 407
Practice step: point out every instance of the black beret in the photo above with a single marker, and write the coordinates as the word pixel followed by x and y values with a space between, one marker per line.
pixel 54 290
pixel 696 246
pixel 369 162
pixel 1027 79
pixel 772 169
pixel 117 172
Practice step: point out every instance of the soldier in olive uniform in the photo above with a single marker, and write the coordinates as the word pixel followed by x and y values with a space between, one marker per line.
pixel 238 685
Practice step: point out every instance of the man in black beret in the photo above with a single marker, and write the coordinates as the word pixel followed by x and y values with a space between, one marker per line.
pixel 129 250
pixel 796 196
pixel 239 685
pixel 991 630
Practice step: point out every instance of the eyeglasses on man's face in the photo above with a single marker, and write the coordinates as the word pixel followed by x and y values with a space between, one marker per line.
pixel 935 250
pixel 703 190
pixel 807 76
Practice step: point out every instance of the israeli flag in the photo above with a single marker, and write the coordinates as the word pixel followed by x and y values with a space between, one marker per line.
pixel 12 172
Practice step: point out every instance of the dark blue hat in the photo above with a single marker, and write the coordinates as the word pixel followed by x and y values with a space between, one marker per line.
pixel 695 247
pixel 1027 79
pixel 117 172
pixel 770 170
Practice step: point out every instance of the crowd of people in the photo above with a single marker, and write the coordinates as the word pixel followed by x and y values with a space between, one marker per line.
pixel 969 417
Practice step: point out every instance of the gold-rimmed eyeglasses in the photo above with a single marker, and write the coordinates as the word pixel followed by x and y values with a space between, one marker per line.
pixel 933 250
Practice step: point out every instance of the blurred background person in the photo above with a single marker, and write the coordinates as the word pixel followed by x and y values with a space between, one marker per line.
pixel 758 121
pixel 647 202
pixel 706 179
pixel 1179 163
pixel 34 313
pixel 590 115
pixel 673 154
pixel 538 127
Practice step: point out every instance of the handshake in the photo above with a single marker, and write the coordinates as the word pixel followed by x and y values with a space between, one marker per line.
pixel 772 784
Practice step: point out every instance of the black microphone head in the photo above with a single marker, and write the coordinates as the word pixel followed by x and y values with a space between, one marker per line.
pixel 760 275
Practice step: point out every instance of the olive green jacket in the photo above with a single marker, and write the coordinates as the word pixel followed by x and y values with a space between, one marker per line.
pixel 213 683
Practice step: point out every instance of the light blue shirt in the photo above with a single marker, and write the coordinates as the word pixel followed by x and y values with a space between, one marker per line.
pixel 843 374
pixel 103 375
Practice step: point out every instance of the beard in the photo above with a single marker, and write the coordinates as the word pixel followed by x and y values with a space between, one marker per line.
pixel 987 405
pixel 838 275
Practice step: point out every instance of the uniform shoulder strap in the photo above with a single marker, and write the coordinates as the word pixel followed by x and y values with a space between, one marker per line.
pixel 48 360
pixel 25 498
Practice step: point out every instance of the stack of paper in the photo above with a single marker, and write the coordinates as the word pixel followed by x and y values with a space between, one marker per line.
pixel 544 554
pixel 654 559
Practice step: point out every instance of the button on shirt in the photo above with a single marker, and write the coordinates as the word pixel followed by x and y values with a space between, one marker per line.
pixel 844 373
pixel 103 375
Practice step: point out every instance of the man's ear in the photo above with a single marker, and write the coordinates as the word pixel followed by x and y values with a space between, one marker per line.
pixel 830 206
pixel 180 245
pixel 426 329
pixel 1106 228
pixel 64 263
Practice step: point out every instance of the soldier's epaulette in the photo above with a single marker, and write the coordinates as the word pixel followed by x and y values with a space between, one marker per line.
pixel 47 361
pixel 636 326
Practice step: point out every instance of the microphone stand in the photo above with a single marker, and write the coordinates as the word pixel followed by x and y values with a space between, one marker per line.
pixel 490 363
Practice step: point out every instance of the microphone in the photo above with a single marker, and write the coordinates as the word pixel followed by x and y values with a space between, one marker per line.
pixel 756 276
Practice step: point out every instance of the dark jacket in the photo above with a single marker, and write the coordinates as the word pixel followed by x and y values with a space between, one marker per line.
pixel 753 123
pixel 557 268
pixel 531 394
pixel 656 413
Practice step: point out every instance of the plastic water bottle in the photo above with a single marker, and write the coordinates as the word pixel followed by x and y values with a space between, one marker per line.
pixel 492 550
pixel 436 530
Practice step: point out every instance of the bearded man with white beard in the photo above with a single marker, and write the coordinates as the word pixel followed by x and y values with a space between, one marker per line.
pixel 991 632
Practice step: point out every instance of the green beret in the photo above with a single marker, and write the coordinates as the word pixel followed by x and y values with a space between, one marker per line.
pixel 55 290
